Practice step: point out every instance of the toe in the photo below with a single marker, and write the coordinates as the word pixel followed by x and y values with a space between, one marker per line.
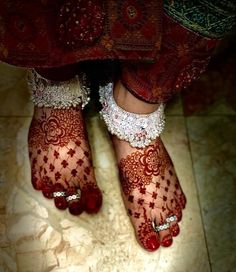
pixel 59 196
pixel 177 210
pixel 36 180
pixel 47 189
pixel 163 229
pixel 92 199
pixel 146 236
pixel 174 229
pixel 182 201
pixel 75 207
pixel 75 201
pixel 172 219
pixel 152 243
pixel 179 215
pixel 166 238
pixel 149 241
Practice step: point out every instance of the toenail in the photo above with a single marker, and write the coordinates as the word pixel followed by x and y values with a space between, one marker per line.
pixel 175 230
pixel 92 200
pixel 152 243
pixel 59 197
pixel 37 184
pixel 76 207
pixel 60 202
pixel 75 203
pixel 48 192
pixel 167 241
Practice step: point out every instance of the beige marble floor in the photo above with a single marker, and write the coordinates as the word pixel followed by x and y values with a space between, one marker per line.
pixel 213 146
pixel 36 237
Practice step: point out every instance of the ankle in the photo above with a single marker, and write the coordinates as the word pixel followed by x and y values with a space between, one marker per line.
pixel 129 102
pixel 137 129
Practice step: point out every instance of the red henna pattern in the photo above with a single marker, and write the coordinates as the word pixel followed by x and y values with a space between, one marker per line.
pixel 60 155
pixel 56 154
pixel 71 152
pixel 59 128
pixel 151 187
pixel 175 230
pixel 153 161
pixel 132 173
pixel 146 234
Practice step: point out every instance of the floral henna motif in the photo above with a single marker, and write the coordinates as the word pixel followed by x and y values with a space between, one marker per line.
pixel 151 193
pixel 59 128
pixel 153 161
pixel 52 130
pixel 60 160
pixel 138 168
pixel 132 174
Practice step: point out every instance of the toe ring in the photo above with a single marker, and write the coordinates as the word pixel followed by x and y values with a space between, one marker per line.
pixel 171 218
pixel 74 197
pixel 59 194
pixel 159 228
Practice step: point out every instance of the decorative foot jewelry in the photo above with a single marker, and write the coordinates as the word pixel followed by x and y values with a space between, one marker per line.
pixel 159 228
pixel 57 94
pixel 137 129
pixel 74 197
pixel 171 218
pixel 59 151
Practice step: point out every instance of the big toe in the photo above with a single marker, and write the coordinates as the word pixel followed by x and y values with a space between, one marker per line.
pixel 152 243
pixel 147 236
pixel 92 199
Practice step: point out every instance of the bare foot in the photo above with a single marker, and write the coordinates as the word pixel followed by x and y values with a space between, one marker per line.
pixel 61 160
pixel 150 190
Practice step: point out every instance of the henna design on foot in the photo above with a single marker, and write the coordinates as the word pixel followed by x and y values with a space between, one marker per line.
pixel 151 191
pixel 60 157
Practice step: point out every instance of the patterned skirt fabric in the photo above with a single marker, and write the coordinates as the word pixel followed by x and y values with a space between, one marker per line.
pixel 191 30
pixel 43 33
pixel 210 18
pixel 162 46
pixel 183 57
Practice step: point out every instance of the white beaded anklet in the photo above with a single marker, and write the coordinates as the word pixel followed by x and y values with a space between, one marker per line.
pixel 137 129
pixel 57 94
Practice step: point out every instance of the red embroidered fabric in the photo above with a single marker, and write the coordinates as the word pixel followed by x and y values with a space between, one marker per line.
pixel 184 55
pixel 44 33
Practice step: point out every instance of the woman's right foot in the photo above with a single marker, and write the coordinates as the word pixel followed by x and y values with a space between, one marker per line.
pixel 60 160
pixel 151 192
pixel 150 188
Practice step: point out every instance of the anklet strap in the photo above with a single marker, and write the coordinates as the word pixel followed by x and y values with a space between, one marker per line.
pixel 137 129
pixel 57 94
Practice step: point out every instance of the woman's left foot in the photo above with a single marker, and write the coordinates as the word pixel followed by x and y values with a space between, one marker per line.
pixel 61 162
pixel 60 156
pixel 151 192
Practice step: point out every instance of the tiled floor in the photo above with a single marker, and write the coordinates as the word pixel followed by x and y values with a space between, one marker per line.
pixel 35 237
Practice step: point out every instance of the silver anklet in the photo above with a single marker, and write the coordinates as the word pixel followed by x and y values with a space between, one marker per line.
pixel 137 129
pixel 57 94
